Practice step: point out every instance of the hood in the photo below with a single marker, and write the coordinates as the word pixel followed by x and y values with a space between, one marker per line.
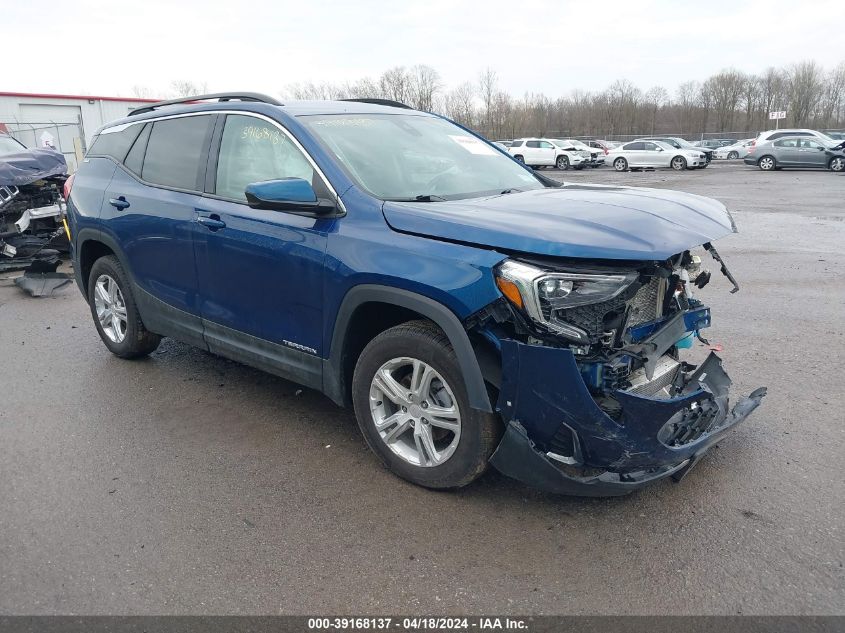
pixel 596 222
pixel 24 167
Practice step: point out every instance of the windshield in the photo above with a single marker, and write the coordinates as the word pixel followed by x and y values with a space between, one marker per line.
pixel 409 157
pixel 8 145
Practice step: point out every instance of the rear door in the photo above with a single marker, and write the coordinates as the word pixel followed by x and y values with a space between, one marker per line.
pixel 786 151
pixel 532 153
pixel 261 272
pixel 546 153
pixel 149 210
pixel 634 153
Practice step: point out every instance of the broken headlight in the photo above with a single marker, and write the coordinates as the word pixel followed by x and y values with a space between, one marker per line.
pixel 543 295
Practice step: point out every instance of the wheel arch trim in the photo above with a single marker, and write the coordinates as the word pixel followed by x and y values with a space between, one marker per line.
pixel 443 317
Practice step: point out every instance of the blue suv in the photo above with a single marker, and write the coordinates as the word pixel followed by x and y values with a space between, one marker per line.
pixel 471 311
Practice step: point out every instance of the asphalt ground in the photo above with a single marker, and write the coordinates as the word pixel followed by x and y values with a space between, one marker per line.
pixel 188 484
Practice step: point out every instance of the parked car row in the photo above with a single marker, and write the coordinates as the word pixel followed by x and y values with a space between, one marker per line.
pixel 773 149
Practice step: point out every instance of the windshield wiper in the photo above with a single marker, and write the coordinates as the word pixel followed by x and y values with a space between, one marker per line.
pixel 429 198
pixel 511 191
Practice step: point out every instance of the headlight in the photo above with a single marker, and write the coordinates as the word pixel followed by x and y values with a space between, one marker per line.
pixel 545 295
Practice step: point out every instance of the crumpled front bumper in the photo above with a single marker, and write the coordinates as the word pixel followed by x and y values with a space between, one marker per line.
pixel 543 394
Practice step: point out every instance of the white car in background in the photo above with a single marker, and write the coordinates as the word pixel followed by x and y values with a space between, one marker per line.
pixel 595 156
pixel 731 152
pixel 543 152
pixel 654 155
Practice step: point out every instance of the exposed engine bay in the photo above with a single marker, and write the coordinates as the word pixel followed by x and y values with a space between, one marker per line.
pixel 639 409
pixel 32 208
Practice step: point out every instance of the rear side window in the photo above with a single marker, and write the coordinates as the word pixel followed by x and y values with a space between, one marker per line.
pixel 253 150
pixel 634 146
pixel 115 144
pixel 516 144
pixel 787 142
pixel 175 152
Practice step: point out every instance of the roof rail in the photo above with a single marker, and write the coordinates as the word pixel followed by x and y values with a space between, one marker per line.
pixel 220 96
pixel 384 102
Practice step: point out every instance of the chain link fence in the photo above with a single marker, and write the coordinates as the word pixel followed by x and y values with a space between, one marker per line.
pixel 67 138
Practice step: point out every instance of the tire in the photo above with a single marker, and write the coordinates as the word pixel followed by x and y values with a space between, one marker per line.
pixel 767 163
pixel 519 158
pixel 110 294
pixel 678 163
pixel 837 164
pixel 620 164
pixel 421 342
pixel 562 163
pixel 733 155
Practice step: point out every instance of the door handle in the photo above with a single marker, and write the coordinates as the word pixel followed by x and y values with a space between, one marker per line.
pixel 119 203
pixel 212 222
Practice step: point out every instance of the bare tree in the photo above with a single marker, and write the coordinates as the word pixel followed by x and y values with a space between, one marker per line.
pixel 804 86
pixel 487 88
pixel 459 104
pixel 395 84
pixel 187 88
pixel 723 93
pixel 423 85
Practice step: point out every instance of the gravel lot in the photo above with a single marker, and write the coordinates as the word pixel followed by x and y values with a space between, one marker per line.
pixel 189 484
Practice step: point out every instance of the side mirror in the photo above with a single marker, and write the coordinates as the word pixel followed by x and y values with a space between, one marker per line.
pixel 292 195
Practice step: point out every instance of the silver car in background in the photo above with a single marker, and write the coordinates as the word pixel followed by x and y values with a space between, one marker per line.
pixel 803 152
pixel 653 155
pixel 734 151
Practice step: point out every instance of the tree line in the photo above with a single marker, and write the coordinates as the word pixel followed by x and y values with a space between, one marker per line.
pixel 729 102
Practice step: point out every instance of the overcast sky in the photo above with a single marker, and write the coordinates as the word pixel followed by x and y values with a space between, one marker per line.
pixel 106 48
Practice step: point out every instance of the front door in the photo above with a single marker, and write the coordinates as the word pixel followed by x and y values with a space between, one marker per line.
pixel 260 272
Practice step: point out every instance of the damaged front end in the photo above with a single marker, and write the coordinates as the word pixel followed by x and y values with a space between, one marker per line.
pixel 32 209
pixel 594 390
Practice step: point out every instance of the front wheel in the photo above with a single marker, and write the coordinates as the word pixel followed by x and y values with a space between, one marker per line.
pixel 412 407
pixel 679 163
pixel 115 313
pixel 620 164
pixel 767 163
pixel 562 163
pixel 519 158
pixel 837 164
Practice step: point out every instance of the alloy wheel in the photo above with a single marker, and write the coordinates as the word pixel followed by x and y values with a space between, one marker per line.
pixel 837 164
pixel 767 163
pixel 678 163
pixel 110 308
pixel 415 411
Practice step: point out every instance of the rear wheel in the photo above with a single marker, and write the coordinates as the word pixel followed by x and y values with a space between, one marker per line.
pixel 837 164
pixel 620 164
pixel 562 163
pixel 767 163
pixel 412 407
pixel 115 312
pixel 679 163
pixel 519 158
pixel 733 155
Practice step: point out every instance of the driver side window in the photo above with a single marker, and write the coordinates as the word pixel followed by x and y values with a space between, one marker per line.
pixel 254 150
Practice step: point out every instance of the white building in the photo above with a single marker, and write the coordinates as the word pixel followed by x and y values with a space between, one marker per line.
pixel 65 122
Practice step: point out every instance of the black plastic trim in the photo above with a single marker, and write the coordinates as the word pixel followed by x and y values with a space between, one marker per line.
pixel 333 379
